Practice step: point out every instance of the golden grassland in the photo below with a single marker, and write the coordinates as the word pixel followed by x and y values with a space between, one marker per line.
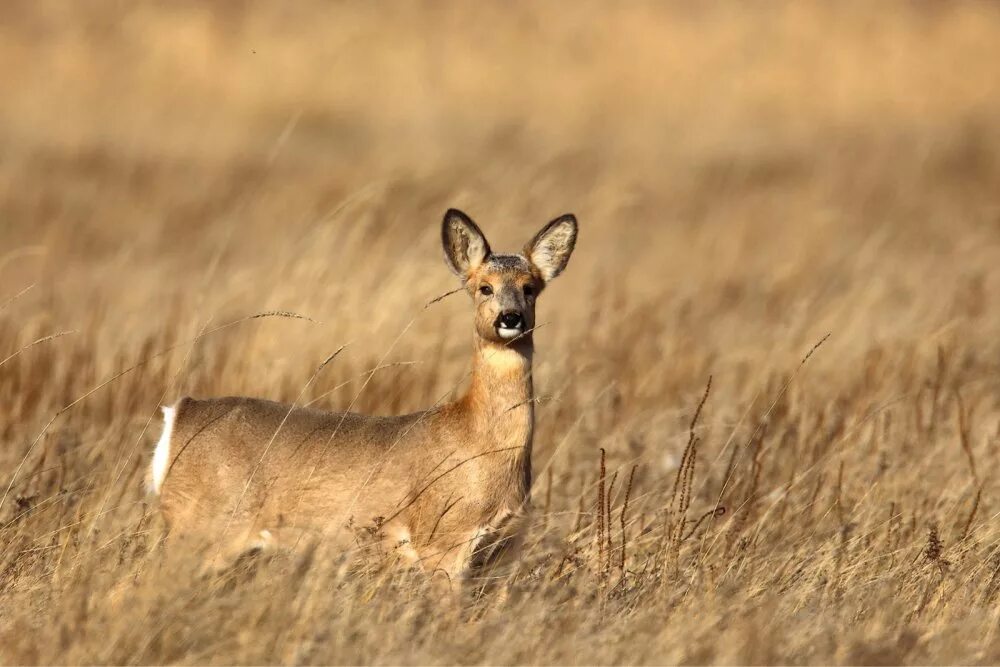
pixel 749 178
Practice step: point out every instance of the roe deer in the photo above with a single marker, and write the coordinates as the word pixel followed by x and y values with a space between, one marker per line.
pixel 446 488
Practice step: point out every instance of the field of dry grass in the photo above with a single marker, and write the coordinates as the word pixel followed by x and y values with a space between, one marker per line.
pixel 748 177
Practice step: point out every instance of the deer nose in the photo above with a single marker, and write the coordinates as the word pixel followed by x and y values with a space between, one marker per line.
pixel 510 319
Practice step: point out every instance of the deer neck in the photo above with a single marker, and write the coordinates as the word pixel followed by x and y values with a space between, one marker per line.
pixel 500 404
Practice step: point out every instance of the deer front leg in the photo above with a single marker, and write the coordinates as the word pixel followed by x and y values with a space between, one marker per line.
pixel 483 563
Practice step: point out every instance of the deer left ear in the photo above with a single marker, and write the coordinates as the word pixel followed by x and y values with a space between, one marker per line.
pixel 549 251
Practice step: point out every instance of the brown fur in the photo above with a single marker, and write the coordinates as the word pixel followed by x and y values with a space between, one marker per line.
pixel 446 488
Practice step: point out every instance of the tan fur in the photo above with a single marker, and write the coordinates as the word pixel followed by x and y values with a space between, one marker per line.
pixel 446 488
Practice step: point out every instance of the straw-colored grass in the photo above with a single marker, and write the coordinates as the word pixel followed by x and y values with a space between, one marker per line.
pixel 749 178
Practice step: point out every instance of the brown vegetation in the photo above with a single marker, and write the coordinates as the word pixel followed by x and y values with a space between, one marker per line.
pixel 177 178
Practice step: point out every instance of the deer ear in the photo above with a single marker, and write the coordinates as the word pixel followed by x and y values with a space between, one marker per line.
pixel 549 251
pixel 465 246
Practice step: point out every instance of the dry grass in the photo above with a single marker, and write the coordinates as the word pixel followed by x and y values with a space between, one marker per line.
pixel 748 178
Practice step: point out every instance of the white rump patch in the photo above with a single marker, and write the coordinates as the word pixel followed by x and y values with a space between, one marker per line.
pixel 265 540
pixel 161 455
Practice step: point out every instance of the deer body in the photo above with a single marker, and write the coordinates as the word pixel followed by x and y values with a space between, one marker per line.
pixel 446 488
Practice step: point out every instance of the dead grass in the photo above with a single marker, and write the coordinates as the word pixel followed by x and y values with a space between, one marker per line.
pixel 748 178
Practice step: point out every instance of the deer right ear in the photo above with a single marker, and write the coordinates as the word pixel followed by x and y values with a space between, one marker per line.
pixel 465 246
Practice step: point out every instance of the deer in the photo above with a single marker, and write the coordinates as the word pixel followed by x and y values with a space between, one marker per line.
pixel 445 489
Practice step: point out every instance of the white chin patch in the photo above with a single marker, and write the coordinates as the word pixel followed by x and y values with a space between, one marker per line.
pixel 508 333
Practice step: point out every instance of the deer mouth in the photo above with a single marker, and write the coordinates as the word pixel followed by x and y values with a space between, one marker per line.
pixel 509 332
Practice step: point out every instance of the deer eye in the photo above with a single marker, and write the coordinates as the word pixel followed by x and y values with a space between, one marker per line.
pixel 529 290
pixel 485 290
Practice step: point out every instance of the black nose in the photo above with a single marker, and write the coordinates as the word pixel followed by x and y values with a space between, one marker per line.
pixel 510 320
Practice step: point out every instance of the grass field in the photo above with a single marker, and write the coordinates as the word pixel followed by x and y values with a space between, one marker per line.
pixel 177 179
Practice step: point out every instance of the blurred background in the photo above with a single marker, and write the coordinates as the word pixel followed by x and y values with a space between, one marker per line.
pixel 136 131
pixel 748 178
pixel 263 154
